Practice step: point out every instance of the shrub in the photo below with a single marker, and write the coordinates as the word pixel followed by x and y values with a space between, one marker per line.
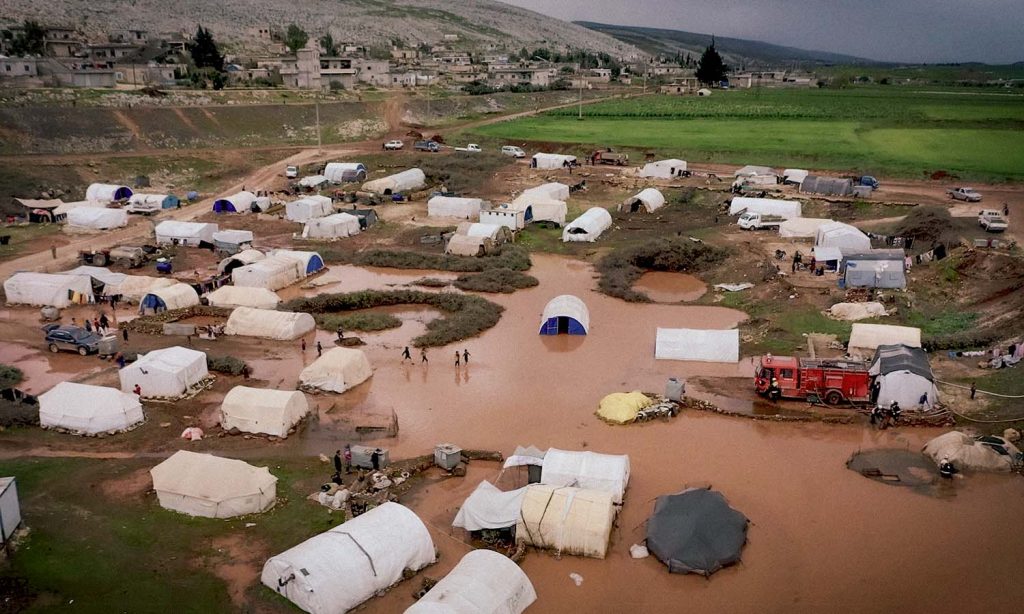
pixel 366 322
pixel 431 282
pixel 505 281
pixel 225 364
pixel 621 268
pixel 10 376
pixel 18 414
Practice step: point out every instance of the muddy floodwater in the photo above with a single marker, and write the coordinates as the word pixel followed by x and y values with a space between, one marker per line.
pixel 664 287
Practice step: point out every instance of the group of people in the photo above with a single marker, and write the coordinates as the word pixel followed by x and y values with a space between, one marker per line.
pixel 460 359
pixel 343 462
pixel 101 324
pixel 886 417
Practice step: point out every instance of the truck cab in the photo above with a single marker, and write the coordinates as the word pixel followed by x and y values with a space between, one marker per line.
pixel 431 146
pixel 758 221
pixel 992 220
pixel 828 380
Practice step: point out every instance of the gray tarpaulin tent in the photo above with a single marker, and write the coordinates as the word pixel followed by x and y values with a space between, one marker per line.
pixel 696 531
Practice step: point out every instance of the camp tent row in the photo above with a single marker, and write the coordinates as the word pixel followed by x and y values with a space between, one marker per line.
pixel 262 410
pixel 787 209
pixel 89 410
pixel 308 208
pixel 648 199
pixel 165 298
pixel 697 345
pixel 450 206
pixel 212 486
pixel 130 288
pixel 552 161
pixel 185 233
pixel 902 373
pixel 589 226
pixel 406 181
pixel 240 202
pixel 337 370
pixel 336 226
pixel 268 324
pixel 664 169
pixel 167 373
pixel 106 192
pixel 96 218
pixel 344 172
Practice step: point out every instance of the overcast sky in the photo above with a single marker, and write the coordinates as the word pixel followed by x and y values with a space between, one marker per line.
pixel 893 30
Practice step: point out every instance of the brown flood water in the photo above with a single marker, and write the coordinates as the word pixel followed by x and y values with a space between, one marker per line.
pixel 664 287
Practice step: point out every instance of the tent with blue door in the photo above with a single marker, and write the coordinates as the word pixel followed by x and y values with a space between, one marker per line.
pixel 310 262
pixel 106 192
pixel 178 296
pixel 565 315
pixel 236 203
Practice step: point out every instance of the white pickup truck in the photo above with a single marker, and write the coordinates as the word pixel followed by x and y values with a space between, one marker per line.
pixel 967 194
pixel 759 221
pixel 473 147
pixel 992 220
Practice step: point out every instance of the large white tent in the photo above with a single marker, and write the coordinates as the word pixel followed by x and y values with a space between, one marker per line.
pixel 606 472
pixel 164 201
pixel 96 218
pixel 168 372
pixel 552 161
pixel 451 206
pixel 765 206
pixel 589 226
pixel 184 233
pixel 903 374
pixel 238 296
pixel 801 227
pixel 42 289
pixel 337 570
pixel 129 287
pixel 337 370
pixel 553 190
pixel 465 245
pixel 309 262
pixel 648 199
pixel 340 172
pixel 89 410
pixel 489 508
pixel 842 236
pixel 406 181
pixel 107 192
pixel 269 324
pixel 242 258
pixel 484 582
pixel 543 203
pixel 566 519
pixel 752 170
pixel 565 314
pixel 271 273
pixel 307 208
pixel 263 410
pixel 664 169
pixel 314 182
pixel 165 298
pixel 866 338
pixel 240 202
pixel 495 232
pixel 232 239
pixel 697 345
pixel 337 226
pixel 212 486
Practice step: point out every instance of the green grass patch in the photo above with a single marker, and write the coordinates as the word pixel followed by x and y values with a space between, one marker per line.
pixel 623 267
pixel 365 322
pixel 225 364
pixel 943 323
pixel 504 281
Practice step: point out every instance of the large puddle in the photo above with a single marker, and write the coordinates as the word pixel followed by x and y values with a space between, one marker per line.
pixel 664 287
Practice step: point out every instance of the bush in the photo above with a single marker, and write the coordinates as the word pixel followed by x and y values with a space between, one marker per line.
pixel 510 257
pixel 465 315
pixel 18 414
pixel 366 322
pixel 10 376
pixel 506 281
pixel 225 364
pixel 621 268
pixel 431 282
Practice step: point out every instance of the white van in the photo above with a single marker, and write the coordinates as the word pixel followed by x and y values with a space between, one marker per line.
pixel 512 150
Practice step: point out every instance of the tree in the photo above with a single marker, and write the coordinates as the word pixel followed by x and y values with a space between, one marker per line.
pixel 29 41
pixel 327 42
pixel 204 51
pixel 710 68
pixel 295 38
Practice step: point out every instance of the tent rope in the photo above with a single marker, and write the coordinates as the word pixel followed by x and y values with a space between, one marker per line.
pixel 368 557
pixel 994 394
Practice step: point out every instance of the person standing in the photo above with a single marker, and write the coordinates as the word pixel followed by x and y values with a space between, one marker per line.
pixel 348 458
pixel 337 462
pixel 974 390
pixel 423 356
pixel 457 357
pixel 406 355
pixel 53 250
pixel 96 325
pixel 302 344
pixel 104 322
pixel 341 333
pixel 88 326
pixel 124 334
pixel 465 357
pixel 375 459
pixel 319 350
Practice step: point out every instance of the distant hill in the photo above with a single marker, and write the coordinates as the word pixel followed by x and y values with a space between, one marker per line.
pixel 735 51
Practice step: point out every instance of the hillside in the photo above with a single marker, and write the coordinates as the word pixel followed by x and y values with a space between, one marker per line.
pixel 736 51
pixel 359 21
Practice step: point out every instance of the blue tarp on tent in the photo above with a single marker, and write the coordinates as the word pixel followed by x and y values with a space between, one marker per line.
pixel 152 303
pixel 170 202
pixel 223 205
pixel 123 193
pixel 315 264
pixel 563 325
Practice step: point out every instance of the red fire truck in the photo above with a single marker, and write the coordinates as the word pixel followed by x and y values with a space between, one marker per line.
pixel 832 380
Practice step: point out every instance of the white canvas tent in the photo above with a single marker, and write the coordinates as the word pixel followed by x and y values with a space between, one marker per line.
pixel 794 175
pixel 339 172
pixel 242 258
pixel 967 453
pixel 263 410
pixel 168 372
pixel 89 410
pixel 232 238
pixel 842 236
pixel 184 233
pixel 697 345
pixel 553 190
pixel 539 208
pixel 903 374
pixel 752 170
pixel 164 201
pixel 236 296
pixel 465 245
pixel 165 298
pixel 565 314
pixel 406 181
pixel 106 192
pixel 212 486
pixel 664 169
pixel 271 273
pixel 801 227
pixel 307 208
pixel 339 569
pixel 96 218
pixel 240 202
pixel 589 226
pixel 337 226
pixel 865 338
pixel 497 233
pixel 566 519
pixel 489 508
pixel 484 582
pixel 337 370
pixel 450 206
pixel 591 470
pixel 552 161
pixel 765 206
pixel 42 289
pixel 268 324
pixel 648 199
pixel 135 287
pixel 313 181
pixel 309 262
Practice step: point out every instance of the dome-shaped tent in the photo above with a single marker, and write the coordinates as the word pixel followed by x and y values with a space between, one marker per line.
pixel 178 296
pixel 696 531
pixel 106 192
pixel 565 315
pixel 337 370
pixel 262 410
pixel 341 172
pixel 237 296
pixel 648 199
pixel 268 323
pixel 589 226
pixel 484 582
pixel 212 486
pixel 236 203
pixel 88 410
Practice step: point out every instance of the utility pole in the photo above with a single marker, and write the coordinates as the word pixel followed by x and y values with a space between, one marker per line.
pixel 319 141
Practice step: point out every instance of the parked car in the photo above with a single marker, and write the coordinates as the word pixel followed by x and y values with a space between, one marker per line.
pixel 144 208
pixel 431 146
pixel 472 147
pixel 71 339
pixel 393 145
pixel 992 220
pixel 512 150
pixel 759 221
pixel 291 172
pixel 966 194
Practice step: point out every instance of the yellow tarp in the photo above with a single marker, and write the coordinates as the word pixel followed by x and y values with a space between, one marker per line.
pixel 622 407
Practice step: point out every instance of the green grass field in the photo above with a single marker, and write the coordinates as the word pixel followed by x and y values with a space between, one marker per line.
pixel 888 131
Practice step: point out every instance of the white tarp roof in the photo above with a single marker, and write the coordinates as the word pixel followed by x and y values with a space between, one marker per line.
pixel 97 218
pixel 212 486
pixel 484 582
pixel 488 507
pixel 406 181
pixel 857 311
pixel 842 236
pixel 237 296
pixel 337 370
pixel 313 181
pixel 663 169
pixel 697 345
pixel 307 208
pixel 263 410
pixel 168 372
pixel 339 569
pixel 966 453
pixel 272 273
pixel 192 232
pixel 246 256
pixel 269 324
pixel 64 208
pixel 450 206
pixel 337 226
pixel 567 305
pixel 567 520
pixel 489 231
pixel 309 262
pixel 465 245
pixel 867 337
pixel 135 287
pixel 825 254
pixel 42 289
pixel 241 201
pixel 552 161
pixel 175 296
pixel 552 190
pixel 801 227
pixel 542 208
pixel 765 206
pixel 650 199
pixel 39 203
pixel 88 410
pixel 591 470
pixel 750 170
pixel 233 237
pixel 148 199
pixel 589 226
pixel 335 171
pixel 795 175
pixel 100 192
pixel 102 274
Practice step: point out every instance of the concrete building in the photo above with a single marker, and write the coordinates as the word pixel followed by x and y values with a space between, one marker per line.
pixel 107 53
pixel 18 67
pixel 302 71
pixel 521 75
pixel 374 72
pixel 682 87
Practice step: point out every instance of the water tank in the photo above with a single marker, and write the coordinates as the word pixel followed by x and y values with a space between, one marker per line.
pixel 50 313
pixel 447 455
pixel 675 389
